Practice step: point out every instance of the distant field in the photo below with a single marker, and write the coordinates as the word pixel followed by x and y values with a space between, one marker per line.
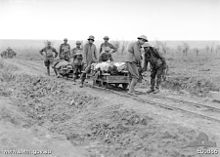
pixel 17 44
pixel 30 48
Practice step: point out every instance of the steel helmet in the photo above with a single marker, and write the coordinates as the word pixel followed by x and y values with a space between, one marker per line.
pixel 106 37
pixel 143 37
pixel 91 37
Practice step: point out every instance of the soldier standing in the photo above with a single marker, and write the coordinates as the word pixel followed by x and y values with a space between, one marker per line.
pixel 158 66
pixel 133 61
pixel 107 45
pixel 64 52
pixel 49 55
pixel 90 56
pixel 77 55
pixel 77 49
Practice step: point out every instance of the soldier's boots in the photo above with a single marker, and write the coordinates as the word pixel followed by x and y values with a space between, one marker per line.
pixel 55 71
pixel 154 91
pixel 157 90
pixel 82 77
pixel 151 90
pixel 131 87
pixel 48 71
pixel 152 83
pixel 81 85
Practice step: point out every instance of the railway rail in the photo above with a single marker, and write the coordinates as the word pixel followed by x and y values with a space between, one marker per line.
pixel 208 112
pixel 171 106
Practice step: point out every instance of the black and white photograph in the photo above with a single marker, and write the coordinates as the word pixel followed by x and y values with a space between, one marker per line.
pixel 110 78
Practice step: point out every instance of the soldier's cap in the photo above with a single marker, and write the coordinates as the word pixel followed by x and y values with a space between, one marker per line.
pixel 48 42
pixel 78 43
pixel 105 37
pixel 146 44
pixel 91 37
pixel 143 37
pixel 65 39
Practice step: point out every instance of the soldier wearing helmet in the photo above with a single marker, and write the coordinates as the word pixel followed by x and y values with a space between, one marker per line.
pixel 77 49
pixel 50 54
pixel 89 56
pixel 134 58
pixel 64 52
pixel 77 55
pixel 107 45
pixel 158 66
pixel 106 56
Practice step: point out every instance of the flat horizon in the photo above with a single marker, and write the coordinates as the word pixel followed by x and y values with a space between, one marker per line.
pixel 110 40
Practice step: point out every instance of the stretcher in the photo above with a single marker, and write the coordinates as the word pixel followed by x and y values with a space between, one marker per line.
pixel 109 79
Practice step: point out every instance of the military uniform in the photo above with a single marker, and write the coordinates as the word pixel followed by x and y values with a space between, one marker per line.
pixel 78 65
pixel 49 56
pixel 107 45
pixel 158 65
pixel 90 53
pixel 75 51
pixel 105 56
pixel 90 56
pixel 49 53
pixel 134 60
pixel 64 51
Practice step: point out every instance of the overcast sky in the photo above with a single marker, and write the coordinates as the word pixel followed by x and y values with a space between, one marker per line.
pixel 119 19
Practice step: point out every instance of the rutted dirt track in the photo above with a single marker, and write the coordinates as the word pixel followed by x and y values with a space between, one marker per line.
pixel 48 113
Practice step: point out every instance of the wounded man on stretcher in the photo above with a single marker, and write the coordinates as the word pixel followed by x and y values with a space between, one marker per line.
pixel 107 65
pixel 113 68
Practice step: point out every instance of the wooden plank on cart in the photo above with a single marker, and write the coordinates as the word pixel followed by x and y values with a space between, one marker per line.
pixel 106 74
pixel 116 79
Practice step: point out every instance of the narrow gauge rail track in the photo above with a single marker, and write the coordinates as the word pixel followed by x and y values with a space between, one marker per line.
pixel 148 100
pixel 164 105
pixel 198 105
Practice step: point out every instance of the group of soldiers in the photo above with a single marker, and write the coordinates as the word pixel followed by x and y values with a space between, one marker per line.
pixel 137 62
pixel 88 53
pixel 139 54
pixel 8 53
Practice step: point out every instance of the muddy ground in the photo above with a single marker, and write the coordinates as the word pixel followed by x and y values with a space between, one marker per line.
pixel 45 113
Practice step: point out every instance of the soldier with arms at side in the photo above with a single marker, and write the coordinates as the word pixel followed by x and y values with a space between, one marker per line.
pixel 77 49
pixel 89 57
pixel 64 52
pixel 133 61
pixel 78 65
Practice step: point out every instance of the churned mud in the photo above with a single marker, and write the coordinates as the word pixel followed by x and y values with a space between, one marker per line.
pixel 38 112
